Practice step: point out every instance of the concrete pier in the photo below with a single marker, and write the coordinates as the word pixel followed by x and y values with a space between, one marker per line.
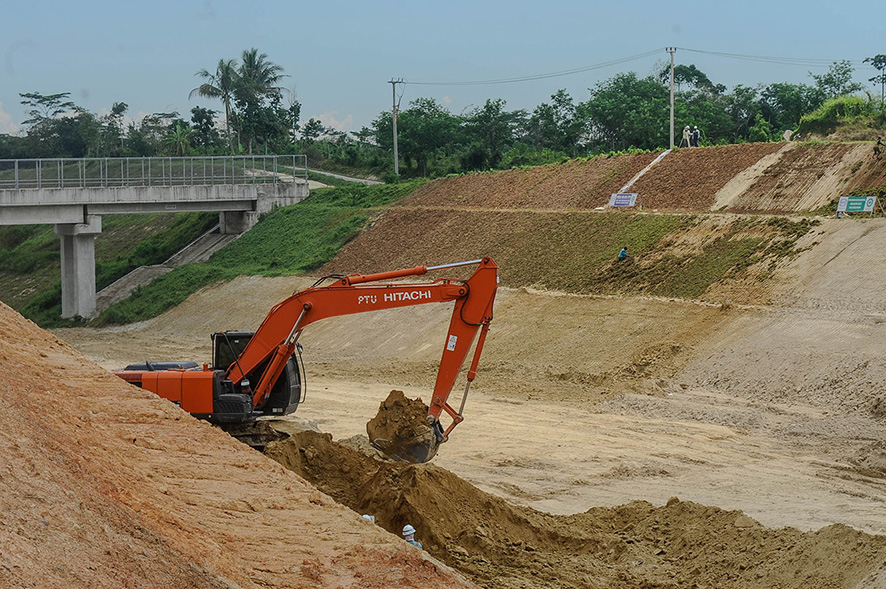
pixel 78 266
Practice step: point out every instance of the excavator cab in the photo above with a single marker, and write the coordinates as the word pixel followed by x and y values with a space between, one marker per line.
pixel 287 392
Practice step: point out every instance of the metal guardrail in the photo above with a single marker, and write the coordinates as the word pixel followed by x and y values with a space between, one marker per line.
pixel 152 171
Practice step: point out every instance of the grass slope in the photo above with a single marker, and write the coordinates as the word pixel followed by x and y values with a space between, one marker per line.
pixel 289 240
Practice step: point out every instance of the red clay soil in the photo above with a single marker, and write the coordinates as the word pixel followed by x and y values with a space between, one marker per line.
pixel 688 179
pixel 575 184
pixel 499 545
pixel 104 485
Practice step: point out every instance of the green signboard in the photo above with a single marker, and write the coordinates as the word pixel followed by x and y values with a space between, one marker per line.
pixel 856 204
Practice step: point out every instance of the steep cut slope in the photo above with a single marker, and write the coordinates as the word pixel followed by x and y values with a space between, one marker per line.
pixel 103 485
pixel 804 178
pixel 670 255
pixel 688 179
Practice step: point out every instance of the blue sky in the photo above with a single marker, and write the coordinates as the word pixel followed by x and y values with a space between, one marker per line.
pixel 340 54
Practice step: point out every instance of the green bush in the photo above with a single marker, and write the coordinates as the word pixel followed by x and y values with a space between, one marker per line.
pixel 824 120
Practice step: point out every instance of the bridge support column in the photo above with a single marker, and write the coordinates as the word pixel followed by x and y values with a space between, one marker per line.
pixel 78 266
pixel 236 222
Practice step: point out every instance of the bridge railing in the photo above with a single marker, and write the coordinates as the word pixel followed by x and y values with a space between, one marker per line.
pixel 151 171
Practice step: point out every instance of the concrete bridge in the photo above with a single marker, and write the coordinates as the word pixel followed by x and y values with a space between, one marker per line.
pixel 73 194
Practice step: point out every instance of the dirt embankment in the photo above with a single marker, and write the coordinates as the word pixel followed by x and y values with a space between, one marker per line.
pixel 751 177
pixel 688 179
pixel 575 184
pixel 102 485
pixel 681 544
pixel 706 258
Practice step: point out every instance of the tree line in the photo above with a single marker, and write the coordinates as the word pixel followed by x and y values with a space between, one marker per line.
pixel 259 115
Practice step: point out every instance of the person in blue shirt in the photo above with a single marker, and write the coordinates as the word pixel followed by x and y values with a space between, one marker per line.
pixel 409 535
pixel 623 254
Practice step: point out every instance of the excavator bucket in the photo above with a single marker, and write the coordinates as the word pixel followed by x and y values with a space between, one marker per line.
pixel 401 429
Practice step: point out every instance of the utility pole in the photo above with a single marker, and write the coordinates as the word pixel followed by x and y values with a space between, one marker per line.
pixel 672 50
pixel 394 110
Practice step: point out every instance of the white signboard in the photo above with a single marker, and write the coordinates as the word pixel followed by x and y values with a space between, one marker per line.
pixel 623 199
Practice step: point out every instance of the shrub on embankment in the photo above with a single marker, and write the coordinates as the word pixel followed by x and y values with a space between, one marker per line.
pixel 846 113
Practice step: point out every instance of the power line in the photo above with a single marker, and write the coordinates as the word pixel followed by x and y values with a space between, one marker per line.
pixel 794 61
pixel 800 61
pixel 541 76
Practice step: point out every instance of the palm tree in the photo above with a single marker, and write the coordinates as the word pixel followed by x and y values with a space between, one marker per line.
pixel 259 76
pixel 258 80
pixel 221 84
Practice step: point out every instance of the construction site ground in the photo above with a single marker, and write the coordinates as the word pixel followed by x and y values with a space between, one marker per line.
pixel 734 440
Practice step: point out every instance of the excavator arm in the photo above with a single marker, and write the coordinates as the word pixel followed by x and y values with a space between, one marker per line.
pixel 275 340
pixel 224 394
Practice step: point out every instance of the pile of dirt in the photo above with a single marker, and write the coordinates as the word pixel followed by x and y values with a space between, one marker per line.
pixel 105 485
pixel 681 544
pixel 400 429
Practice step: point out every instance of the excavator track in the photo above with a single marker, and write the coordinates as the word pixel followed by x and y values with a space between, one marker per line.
pixel 256 435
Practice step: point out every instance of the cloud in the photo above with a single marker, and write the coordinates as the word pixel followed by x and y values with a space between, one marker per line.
pixel 328 119
pixel 7 127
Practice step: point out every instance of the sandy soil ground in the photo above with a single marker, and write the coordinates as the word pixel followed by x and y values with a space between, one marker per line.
pixel 587 402
pixel 650 398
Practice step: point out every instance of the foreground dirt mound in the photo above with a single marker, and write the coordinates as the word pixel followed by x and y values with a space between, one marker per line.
pixel 400 429
pixel 104 485
pixel 681 544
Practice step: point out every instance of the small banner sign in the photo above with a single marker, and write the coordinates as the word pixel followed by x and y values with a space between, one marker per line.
pixel 856 204
pixel 623 199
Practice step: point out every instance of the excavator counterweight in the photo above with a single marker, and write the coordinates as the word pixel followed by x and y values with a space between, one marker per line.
pixel 255 374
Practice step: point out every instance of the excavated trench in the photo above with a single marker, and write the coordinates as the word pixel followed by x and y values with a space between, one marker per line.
pixel 681 544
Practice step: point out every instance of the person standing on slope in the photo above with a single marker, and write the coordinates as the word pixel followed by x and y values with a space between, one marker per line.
pixel 696 135
pixel 686 136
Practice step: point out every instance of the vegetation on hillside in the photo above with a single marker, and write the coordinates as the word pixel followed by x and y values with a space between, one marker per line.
pixel 30 260
pixel 289 240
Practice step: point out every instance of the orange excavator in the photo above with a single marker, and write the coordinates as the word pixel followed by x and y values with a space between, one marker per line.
pixel 224 394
